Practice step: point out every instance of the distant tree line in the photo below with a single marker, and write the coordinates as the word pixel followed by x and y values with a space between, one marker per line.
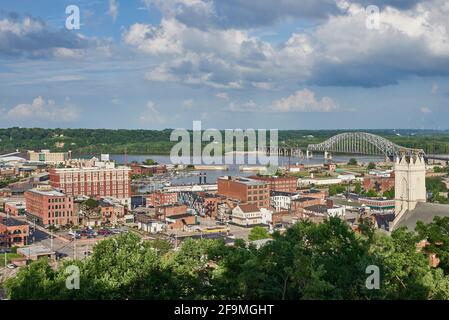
pixel 94 141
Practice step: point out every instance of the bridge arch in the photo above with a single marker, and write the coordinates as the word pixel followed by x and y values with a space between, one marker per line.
pixel 362 143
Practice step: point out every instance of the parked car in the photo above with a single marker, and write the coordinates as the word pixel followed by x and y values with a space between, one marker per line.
pixel 104 232
pixel 11 266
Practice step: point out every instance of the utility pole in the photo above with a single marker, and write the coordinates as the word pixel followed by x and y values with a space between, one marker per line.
pixel 74 247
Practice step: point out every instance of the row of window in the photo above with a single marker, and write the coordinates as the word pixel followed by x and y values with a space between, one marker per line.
pixel 53 200
pixel 255 192
pixel 255 198
pixel 60 214
pixel 59 206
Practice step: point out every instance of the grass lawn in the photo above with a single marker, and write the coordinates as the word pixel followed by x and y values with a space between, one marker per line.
pixel 9 256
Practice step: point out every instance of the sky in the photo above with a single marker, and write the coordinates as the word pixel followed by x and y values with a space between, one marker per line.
pixel 274 64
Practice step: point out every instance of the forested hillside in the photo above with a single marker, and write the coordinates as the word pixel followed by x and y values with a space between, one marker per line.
pixel 88 141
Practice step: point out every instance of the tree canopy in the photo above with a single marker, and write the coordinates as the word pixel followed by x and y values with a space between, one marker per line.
pixel 309 261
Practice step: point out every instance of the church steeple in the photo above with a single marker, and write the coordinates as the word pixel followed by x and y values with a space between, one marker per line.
pixel 410 183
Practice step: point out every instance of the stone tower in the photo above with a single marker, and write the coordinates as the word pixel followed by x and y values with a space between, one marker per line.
pixel 410 183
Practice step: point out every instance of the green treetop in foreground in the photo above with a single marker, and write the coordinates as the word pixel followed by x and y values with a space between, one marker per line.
pixel 309 261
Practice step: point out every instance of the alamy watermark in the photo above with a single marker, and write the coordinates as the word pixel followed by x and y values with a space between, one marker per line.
pixel 72 21
pixel 253 145
pixel 372 20
pixel 72 282
pixel 373 280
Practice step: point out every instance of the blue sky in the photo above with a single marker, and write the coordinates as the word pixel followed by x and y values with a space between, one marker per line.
pixel 286 64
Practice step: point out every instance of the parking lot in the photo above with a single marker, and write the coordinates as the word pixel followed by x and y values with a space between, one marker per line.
pixel 66 245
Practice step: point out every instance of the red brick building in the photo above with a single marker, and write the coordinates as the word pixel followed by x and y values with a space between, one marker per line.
pixel 146 170
pixel 298 205
pixel 15 208
pixel 283 184
pixel 180 221
pixel 170 210
pixel 314 193
pixel 112 213
pixel 156 199
pixel 13 233
pixel 330 166
pixel 50 207
pixel 379 184
pixel 94 182
pixel 245 191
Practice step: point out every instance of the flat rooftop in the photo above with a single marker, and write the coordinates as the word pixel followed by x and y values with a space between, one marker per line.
pixel 10 222
pixel 51 193
pixel 35 251
pixel 247 181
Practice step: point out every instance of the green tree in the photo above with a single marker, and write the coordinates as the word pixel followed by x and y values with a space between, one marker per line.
pixel 336 189
pixel 389 194
pixel 358 187
pixel 371 166
pixel 150 162
pixel 371 193
pixel 352 162
pixel 91 203
pixel 258 233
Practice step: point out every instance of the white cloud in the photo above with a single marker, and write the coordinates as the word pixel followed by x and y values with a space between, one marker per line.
pixel 32 38
pixel 249 106
pixel 304 101
pixel 425 110
pixel 340 50
pixel 113 9
pixel 40 109
pixel 263 85
pixel 188 103
pixel 151 114
pixel 222 95
pixel 434 88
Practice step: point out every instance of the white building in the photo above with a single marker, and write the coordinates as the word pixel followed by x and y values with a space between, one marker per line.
pixel 246 215
pixel 282 200
pixel 266 216
pixel 346 177
pixel 151 226
pixel 336 211
pixel 318 182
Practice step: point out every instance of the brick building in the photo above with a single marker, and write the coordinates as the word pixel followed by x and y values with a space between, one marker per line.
pixel 298 205
pixel 245 191
pixel 314 193
pixel 50 207
pixel 112 213
pixel 94 182
pixel 171 210
pixel 283 184
pixel 13 233
pixel 46 156
pixel 146 170
pixel 156 199
pixel 15 208
pixel 180 221
pixel 379 184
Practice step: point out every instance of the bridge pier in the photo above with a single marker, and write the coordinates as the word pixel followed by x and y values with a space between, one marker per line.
pixel 327 155
pixel 309 154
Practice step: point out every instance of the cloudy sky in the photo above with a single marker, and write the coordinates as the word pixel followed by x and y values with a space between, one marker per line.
pixel 286 64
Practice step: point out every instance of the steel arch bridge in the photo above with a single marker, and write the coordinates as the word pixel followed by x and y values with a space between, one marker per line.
pixel 362 143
